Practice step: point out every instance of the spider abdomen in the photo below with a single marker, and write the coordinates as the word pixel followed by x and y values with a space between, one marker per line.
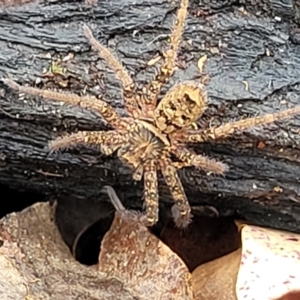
pixel 180 107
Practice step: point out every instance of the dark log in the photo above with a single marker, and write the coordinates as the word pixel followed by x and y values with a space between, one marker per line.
pixel 255 44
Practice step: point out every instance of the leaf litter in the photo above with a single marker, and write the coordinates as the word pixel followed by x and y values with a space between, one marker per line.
pixel 133 263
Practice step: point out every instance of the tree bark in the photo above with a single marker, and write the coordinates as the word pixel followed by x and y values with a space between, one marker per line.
pixel 253 65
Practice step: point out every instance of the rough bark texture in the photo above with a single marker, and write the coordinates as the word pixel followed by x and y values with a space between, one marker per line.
pixel 254 43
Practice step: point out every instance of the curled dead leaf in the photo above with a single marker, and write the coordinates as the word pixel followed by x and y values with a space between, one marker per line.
pixel 36 264
pixel 270 263
pixel 266 267
pixel 216 279
pixel 145 265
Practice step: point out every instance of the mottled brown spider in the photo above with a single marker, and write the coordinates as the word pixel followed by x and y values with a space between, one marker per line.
pixel 146 139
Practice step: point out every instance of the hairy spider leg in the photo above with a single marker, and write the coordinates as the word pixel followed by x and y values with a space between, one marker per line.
pixel 136 158
pixel 190 158
pixel 151 196
pixel 215 133
pixel 173 182
pixel 109 150
pixel 152 90
pixel 107 112
pixel 107 140
pixel 129 93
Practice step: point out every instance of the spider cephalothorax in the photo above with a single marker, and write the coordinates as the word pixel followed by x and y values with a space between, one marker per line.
pixel 153 131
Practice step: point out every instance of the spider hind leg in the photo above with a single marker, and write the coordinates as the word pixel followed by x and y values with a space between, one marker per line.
pixel 189 158
pixel 151 192
pixel 182 210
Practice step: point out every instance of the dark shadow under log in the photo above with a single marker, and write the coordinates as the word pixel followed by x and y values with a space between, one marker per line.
pixel 253 65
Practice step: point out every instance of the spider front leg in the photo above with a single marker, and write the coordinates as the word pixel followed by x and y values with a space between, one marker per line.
pixel 182 211
pixel 107 112
pixel 215 133
pixel 129 91
pixel 107 140
pixel 151 196
pixel 153 89
pixel 189 158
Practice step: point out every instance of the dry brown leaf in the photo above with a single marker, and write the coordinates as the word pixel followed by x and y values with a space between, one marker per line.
pixel 270 264
pixel 290 296
pixel 267 267
pixel 36 264
pixel 216 280
pixel 146 266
